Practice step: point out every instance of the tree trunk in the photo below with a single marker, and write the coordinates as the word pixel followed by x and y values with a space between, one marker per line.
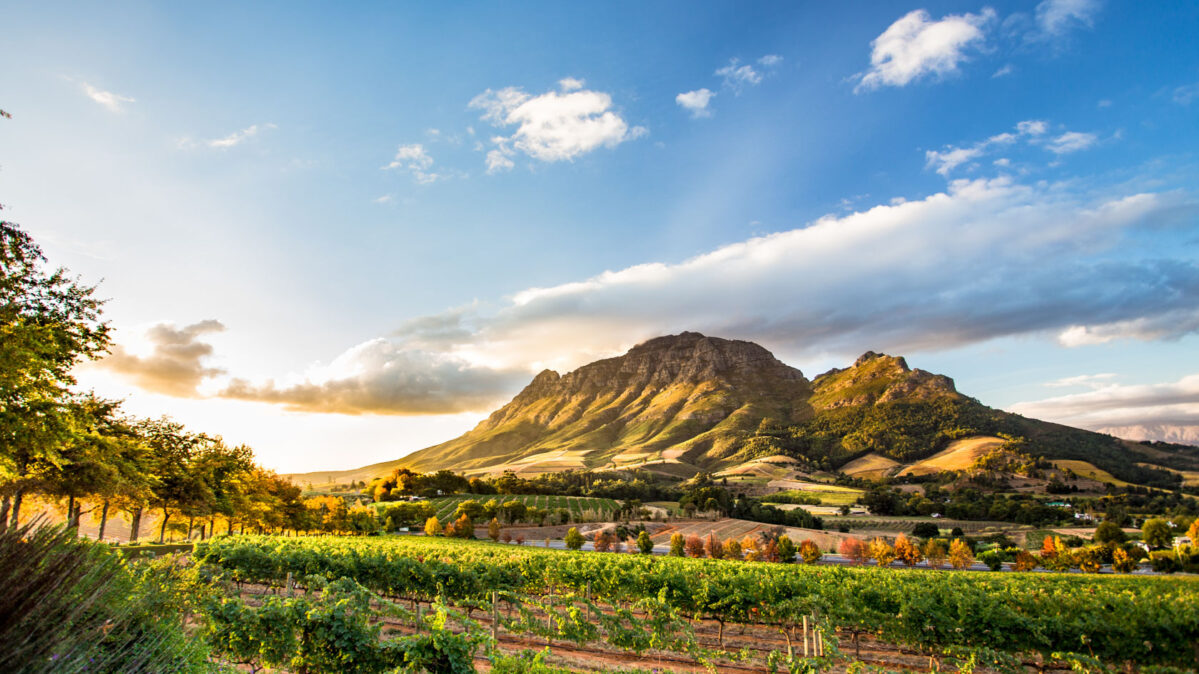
pixel 135 526
pixel 72 518
pixel 229 530
pixel 191 524
pixel 103 521
pixel 5 505
pixel 162 531
pixel 16 508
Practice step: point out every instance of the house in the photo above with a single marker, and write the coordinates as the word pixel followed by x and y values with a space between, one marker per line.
pixel 1180 541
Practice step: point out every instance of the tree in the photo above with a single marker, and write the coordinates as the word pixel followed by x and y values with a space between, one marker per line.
pixel 810 552
pixel 463 527
pixel 926 530
pixel 732 549
pixel 882 552
pixel 574 540
pixel 854 550
pixel 1109 532
pixel 935 551
pixel 49 322
pixel 786 549
pixel 644 543
pixel 713 547
pixel 677 544
pixel 1025 561
pixel 694 546
pixel 471 508
pixel 432 526
pixel 603 541
pixel 1122 562
pixel 1156 533
pixel 906 551
pixel 960 556
pixel 493 531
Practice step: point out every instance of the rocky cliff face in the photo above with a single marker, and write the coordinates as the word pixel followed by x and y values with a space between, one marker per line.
pixel 877 378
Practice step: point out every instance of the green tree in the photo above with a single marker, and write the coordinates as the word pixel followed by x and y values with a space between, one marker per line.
pixel 644 543
pixel 1156 533
pixel 574 540
pixel 49 322
pixel 677 544
pixel 786 549
pixel 493 529
pixel 1109 532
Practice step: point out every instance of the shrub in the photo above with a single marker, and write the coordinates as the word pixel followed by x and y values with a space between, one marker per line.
pixel 732 549
pixel 603 541
pixel 678 544
pixel 1025 561
pixel 574 540
pixel 1122 562
pixel 907 552
pixel 786 549
pixel 644 543
pixel 694 547
pixel 1164 561
pixel 810 552
pixel 433 526
pixel 493 529
pixel 993 559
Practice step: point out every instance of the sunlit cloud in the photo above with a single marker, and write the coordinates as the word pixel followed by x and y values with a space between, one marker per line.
pixel 916 47
pixel 176 363
pixel 113 101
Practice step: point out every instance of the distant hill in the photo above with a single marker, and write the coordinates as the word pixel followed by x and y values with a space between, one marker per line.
pixel 686 403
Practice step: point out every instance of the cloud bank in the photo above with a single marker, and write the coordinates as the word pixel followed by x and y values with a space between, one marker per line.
pixel 175 365
pixel 1167 411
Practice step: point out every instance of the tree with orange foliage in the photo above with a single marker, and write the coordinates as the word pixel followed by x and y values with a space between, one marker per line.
pixel 749 549
pixel 1025 561
pixel 603 541
pixel 810 552
pixel 907 552
pixel 854 550
pixel 713 547
pixel 694 546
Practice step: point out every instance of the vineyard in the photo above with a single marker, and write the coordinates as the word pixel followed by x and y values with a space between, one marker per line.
pixel 732 615
pixel 582 508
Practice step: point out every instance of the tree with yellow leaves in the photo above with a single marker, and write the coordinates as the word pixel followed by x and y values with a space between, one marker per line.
pixel 935 551
pixel 960 556
pixel 433 526
pixel 882 552
pixel 732 549
pixel 907 552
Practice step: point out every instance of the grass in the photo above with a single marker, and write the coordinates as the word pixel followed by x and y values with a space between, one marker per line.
pixel 829 494
pixel 959 455
pixel 872 466
pixel 1090 471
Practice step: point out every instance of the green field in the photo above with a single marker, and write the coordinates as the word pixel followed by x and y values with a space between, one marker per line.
pixel 829 494
pixel 905 524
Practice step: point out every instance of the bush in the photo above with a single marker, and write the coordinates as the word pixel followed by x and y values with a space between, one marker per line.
pixel 677 545
pixel 993 559
pixel 786 549
pixel 810 552
pixel 574 540
pixel 926 530
pixel 644 543
pixel 1164 561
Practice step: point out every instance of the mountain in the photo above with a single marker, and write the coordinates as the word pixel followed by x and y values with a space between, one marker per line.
pixel 686 403
pixel 679 403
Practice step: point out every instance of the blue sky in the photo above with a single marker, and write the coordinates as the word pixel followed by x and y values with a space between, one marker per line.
pixel 341 234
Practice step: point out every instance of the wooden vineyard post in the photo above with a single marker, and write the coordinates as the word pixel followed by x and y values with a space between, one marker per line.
pixel 418 616
pixel 805 636
pixel 819 643
pixel 587 596
pixel 495 617
pixel 289 586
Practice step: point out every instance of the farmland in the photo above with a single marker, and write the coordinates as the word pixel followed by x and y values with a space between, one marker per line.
pixel 706 611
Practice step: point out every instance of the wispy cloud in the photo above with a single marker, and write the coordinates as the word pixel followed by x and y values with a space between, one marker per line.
pixel 1071 141
pixel 1169 405
pixel 1185 94
pixel 113 101
pixel 916 47
pixel 554 126
pixel 950 157
pixel 225 142
pixel 1056 17
pixel 1087 380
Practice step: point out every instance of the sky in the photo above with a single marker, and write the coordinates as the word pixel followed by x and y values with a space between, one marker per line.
pixel 343 233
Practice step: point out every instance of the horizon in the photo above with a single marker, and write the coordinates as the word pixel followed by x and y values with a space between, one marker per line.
pixel 355 234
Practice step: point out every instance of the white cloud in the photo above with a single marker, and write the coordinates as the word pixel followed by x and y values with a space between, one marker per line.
pixel 1185 94
pixel 1056 17
pixel 238 137
pixel 108 99
pixel 570 84
pixel 696 102
pixel 915 47
pixel 950 157
pixel 982 260
pixel 1004 71
pixel 554 126
pixel 1144 328
pixel 1087 380
pixel 1163 405
pixel 770 60
pixel 385 199
pixel 736 76
pixel 1071 141
pixel 414 159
